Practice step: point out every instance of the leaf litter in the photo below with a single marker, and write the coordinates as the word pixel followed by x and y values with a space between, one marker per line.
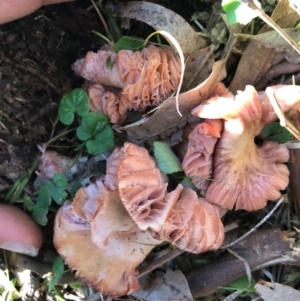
pixel 266 58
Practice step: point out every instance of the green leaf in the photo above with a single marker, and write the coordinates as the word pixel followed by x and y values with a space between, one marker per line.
pixel 44 197
pixel 29 204
pixel 60 180
pixel 76 285
pixel 75 102
pixel 275 132
pixel 241 284
pixel 102 142
pixel 57 188
pixel 58 195
pixel 58 270
pixel 92 124
pixel 238 12
pixel 39 214
pixel 97 132
pixel 166 160
pixel 129 43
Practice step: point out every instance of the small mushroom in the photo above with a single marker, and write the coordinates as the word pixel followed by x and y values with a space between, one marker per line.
pixel 246 174
pixel 18 232
pixel 52 162
pixel 107 103
pixel 197 162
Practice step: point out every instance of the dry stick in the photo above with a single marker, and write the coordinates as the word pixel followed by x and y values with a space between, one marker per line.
pixel 271 23
pixel 102 20
pixel 254 228
pixel 159 262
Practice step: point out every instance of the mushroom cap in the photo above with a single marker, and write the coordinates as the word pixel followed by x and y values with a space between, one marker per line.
pixel 197 162
pixel 193 224
pixel 143 188
pixel 105 102
pixel 245 174
pixel 106 257
pixel 93 67
pixel 19 233
pixel 52 162
pixel 112 167
pixel 87 200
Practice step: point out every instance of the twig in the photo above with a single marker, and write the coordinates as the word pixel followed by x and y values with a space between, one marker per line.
pixel 254 228
pixel 159 262
pixel 102 20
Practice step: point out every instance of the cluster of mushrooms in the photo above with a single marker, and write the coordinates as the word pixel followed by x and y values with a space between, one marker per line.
pixel 115 222
pixel 134 81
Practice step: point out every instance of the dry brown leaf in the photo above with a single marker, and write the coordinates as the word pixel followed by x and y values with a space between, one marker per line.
pixel 198 67
pixel 272 39
pixel 167 116
pixel 162 18
pixel 263 52
pixel 283 15
pixel 255 62
pixel 276 291
pixel 165 287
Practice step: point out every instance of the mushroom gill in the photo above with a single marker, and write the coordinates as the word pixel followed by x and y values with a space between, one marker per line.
pixel 246 175
pixel 147 77
pixel 197 162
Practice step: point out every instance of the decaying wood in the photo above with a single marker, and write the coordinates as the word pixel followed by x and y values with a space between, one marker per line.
pixel 261 247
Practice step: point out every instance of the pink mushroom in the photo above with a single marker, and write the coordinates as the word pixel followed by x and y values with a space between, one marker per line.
pixel 193 224
pixel 96 236
pixel 51 162
pixel 246 174
pixel 178 216
pixel 197 162
pixel 18 232
pixel 106 252
pixel 105 241
pixel 147 77
pixel 107 103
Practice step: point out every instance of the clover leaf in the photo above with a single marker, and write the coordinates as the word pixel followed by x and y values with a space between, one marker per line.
pixel 275 132
pixel 129 43
pixel 55 190
pixel 58 187
pixel 58 270
pixel 75 102
pixel 96 131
